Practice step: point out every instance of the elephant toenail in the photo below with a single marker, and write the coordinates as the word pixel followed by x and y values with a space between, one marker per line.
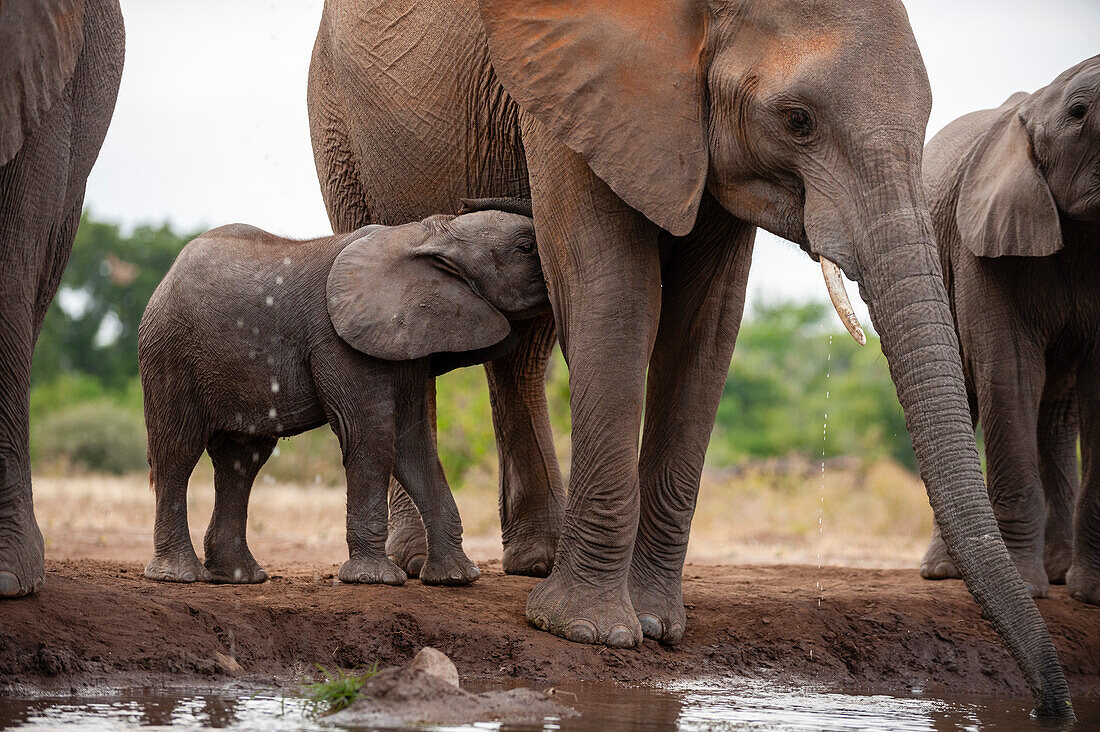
pixel 538 569
pixel 188 577
pixel 581 631
pixel 540 623
pixel 651 625
pixel 9 585
pixel 389 578
pixel 675 634
pixel 621 637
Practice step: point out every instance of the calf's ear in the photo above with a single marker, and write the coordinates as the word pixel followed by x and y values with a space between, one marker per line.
pixel 1005 208
pixel 400 293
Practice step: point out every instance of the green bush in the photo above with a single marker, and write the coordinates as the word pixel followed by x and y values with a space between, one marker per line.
pixel 98 436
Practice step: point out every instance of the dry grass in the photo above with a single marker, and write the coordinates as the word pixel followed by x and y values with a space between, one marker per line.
pixel 876 515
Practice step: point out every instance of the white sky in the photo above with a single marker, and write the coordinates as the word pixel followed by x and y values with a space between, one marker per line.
pixel 211 124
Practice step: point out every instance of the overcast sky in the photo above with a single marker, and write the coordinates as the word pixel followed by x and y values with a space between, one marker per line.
pixel 211 124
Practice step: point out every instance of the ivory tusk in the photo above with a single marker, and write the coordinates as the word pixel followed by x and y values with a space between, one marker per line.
pixel 835 283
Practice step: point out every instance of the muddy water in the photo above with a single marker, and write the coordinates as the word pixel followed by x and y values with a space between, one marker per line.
pixel 689 706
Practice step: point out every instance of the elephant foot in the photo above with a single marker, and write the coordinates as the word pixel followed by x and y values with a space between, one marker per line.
pixel 583 613
pixel 1083 584
pixel 407 546
pixel 660 611
pixel 937 563
pixel 1057 557
pixel 530 557
pixel 22 555
pixel 1030 566
pixel 238 569
pixel 360 570
pixel 451 571
pixel 183 566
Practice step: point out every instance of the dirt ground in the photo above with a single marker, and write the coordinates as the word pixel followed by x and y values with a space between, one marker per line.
pixel 99 623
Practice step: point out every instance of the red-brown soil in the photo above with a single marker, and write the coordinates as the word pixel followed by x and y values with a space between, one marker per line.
pixel 101 623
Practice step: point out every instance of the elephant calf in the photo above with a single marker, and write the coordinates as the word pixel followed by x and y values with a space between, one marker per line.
pixel 251 337
pixel 1015 199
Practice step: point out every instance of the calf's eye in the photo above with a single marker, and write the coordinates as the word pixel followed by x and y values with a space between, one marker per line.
pixel 526 246
pixel 1078 111
pixel 799 122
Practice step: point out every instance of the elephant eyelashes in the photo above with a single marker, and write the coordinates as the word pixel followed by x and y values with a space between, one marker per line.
pixel 526 246
pixel 1078 111
pixel 799 122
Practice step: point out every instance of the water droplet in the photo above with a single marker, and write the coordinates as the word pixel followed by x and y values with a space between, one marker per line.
pixel 275 452
pixel 255 331
pixel 274 386
pixel 269 300
pixel 271 413
pixel 240 322
pixel 279 280
pixel 286 260
pixel 255 457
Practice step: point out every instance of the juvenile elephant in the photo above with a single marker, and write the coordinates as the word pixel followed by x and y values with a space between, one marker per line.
pixel 654 137
pixel 60 65
pixel 251 337
pixel 1015 200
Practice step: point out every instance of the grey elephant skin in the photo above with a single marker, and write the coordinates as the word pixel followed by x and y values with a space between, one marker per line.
pixel 1015 200
pixel 251 337
pixel 654 138
pixel 60 66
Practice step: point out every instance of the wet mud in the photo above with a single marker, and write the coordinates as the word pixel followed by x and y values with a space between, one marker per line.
pixel 101 624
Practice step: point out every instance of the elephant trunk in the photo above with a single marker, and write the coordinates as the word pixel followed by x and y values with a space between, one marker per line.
pixel 902 283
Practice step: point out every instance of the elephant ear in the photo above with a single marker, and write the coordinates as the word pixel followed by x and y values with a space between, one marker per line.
pixel 40 41
pixel 1005 208
pixel 620 82
pixel 398 293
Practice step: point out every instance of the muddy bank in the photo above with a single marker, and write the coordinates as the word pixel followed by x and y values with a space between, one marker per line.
pixel 101 623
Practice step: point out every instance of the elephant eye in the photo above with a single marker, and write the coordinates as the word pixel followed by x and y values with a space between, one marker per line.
pixel 1078 111
pixel 526 245
pixel 799 122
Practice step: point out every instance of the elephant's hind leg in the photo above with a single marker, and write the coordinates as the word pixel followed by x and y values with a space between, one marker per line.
pixel 703 299
pixel 225 547
pixel 172 457
pixel 532 498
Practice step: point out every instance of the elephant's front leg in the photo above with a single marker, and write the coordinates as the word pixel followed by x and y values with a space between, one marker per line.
pixel 1061 481
pixel 531 495
pixel 603 272
pixel 703 298
pixel 1083 577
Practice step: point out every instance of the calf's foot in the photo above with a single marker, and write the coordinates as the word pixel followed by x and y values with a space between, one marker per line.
pixel 937 564
pixel 363 570
pixel 1057 557
pixel 451 570
pixel 1083 584
pixel 22 555
pixel 181 566
pixel 531 556
pixel 584 613
pixel 236 568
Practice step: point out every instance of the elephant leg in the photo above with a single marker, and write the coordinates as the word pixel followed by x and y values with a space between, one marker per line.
pixel 36 228
pixel 702 301
pixel 172 458
pixel 225 547
pixel 416 465
pixel 1083 577
pixel 1061 480
pixel 602 268
pixel 531 494
pixel 407 540
pixel 1009 390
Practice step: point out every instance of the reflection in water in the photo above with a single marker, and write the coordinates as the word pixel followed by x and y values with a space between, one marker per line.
pixel 691 707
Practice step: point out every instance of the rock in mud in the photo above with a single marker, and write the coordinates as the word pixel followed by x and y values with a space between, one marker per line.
pixel 427 692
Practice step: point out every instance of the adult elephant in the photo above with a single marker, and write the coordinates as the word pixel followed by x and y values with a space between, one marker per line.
pixel 60 65
pixel 1015 200
pixel 655 137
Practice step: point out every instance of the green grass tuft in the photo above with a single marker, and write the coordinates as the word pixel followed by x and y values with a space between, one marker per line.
pixel 339 689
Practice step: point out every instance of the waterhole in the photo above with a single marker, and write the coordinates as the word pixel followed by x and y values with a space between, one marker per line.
pixel 691 706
